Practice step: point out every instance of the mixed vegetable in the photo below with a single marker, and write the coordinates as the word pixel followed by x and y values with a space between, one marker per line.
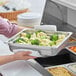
pixel 71 39
pixel 73 48
pixel 40 38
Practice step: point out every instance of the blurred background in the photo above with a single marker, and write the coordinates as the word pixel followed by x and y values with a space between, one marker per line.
pixel 55 12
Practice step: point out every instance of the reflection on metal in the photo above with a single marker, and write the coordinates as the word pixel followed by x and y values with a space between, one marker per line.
pixel 39 68
pixel 50 19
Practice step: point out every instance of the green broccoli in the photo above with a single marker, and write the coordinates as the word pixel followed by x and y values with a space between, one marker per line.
pixel 19 40
pixel 35 42
pixel 52 43
pixel 28 35
pixel 54 37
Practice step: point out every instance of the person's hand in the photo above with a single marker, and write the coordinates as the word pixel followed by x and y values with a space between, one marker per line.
pixel 23 55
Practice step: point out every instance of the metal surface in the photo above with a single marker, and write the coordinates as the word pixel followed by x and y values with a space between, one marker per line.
pixel 69 44
pixel 39 68
pixel 52 16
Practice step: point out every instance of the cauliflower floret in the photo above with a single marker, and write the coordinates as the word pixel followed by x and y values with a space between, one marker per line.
pixel 45 42
pixel 41 34
pixel 61 36
pixel 23 34
pixel 59 41
pixel 33 36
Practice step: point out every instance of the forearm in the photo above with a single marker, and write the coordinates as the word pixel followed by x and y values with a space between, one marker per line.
pixel 7 59
pixel 8 29
pixel 17 56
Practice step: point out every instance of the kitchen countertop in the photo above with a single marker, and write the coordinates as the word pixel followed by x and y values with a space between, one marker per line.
pixel 16 68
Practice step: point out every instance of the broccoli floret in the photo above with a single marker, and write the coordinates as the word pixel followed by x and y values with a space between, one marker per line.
pixel 54 37
pixel 19 40
pixel 35 42
pixel 52 43
pixel 28 36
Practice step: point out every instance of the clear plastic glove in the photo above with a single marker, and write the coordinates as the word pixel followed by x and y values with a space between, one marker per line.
pixel 23 55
